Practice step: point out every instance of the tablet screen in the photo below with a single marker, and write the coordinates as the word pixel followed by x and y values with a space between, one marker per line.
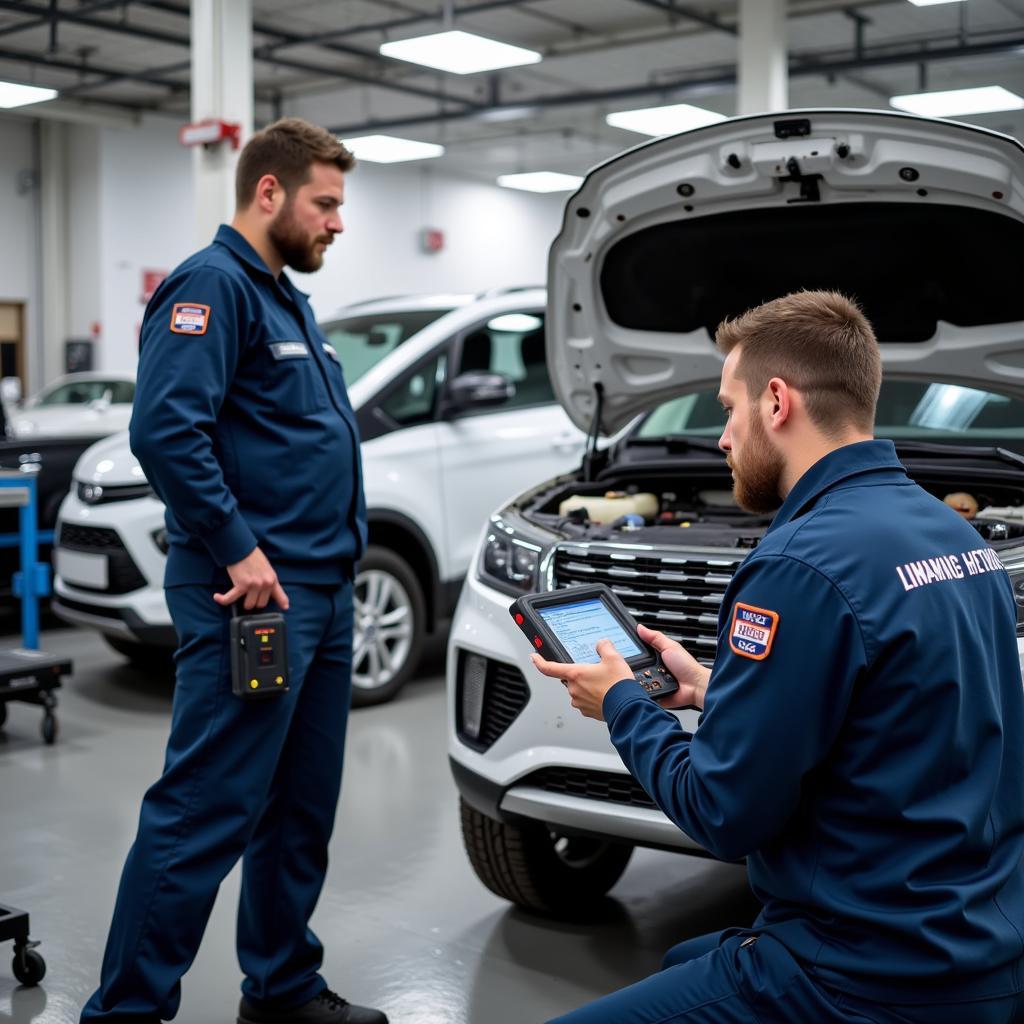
pixel 581 624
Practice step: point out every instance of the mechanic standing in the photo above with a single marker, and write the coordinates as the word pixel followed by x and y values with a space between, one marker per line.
pixel 243 426
pixel 862 735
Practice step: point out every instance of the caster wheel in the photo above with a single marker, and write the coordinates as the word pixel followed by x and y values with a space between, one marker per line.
pixel 28 967
pixel 49 729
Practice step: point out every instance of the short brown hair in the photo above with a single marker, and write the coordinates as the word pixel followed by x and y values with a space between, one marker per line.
pixel 820 343
pixel 287 149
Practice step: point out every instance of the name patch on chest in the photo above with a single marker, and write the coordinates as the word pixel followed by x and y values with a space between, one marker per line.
pixel 752 631
pixel 289 350
pixel 189 318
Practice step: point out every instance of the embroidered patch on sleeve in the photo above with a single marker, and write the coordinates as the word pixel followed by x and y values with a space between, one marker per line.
pixel 752 631
pixel 189 318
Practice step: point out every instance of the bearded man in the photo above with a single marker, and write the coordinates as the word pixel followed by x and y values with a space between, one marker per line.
pixel 862 727
pixel 244 429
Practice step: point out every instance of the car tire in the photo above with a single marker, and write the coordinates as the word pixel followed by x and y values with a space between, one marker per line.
pixel 142 656
pixel 390 626
pixel 532 866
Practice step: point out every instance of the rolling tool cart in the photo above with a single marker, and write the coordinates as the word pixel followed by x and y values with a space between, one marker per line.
pixel 29 675
pixel 26 673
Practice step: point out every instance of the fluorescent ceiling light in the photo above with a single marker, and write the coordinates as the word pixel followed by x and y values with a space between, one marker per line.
pixel 932 3
pixel 13 95
pixel 677 117
pixel 389 149
pixel 459 52
pixel 959 102
pixel 541 181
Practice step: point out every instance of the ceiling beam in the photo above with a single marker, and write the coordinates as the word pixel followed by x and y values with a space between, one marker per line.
pixel 44 61
pixel 800 65
pixel 47 19
pixel 711 21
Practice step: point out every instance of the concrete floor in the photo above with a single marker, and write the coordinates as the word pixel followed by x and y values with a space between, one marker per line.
pixel 406 925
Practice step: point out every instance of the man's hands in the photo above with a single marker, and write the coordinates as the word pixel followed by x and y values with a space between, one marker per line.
pixel 691 675
pixel 255 580
pixel 588 684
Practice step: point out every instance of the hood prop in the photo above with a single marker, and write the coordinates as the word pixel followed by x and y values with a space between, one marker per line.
pixel 593 433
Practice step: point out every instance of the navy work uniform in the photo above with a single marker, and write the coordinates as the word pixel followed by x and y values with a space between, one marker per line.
pixel 243 426
pixel 862 744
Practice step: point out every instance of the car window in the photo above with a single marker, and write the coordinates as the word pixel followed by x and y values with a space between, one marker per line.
pixel 122 392
pixel 907 409
pixel 511 344
pixel 363 341
pixel 414 398
pixel 79 392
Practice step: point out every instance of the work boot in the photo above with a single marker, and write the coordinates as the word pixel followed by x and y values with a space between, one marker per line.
pixel 325 1008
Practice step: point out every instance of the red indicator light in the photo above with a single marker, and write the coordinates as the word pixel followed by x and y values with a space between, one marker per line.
pixel 538 643
pixel 519 619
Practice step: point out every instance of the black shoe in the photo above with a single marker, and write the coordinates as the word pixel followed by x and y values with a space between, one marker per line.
pixel 326 1008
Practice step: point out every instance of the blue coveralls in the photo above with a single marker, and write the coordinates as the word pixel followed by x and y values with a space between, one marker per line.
pixel 862 744
pixel 243 426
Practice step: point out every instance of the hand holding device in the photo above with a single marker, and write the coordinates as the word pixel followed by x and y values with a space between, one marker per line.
pixel 565 626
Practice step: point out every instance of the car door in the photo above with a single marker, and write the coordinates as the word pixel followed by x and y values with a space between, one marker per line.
pixel 489 453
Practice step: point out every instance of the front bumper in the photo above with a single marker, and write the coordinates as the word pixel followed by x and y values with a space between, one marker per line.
pixel 140 614
pixel 547 733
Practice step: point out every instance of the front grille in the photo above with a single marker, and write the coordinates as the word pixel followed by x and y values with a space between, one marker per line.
pixel 123 574
pixel 610 787
pixel 677 593
pixel 505 694
pixel 102 494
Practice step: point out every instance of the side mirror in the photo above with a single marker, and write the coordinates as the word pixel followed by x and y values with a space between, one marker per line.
pixel 478 389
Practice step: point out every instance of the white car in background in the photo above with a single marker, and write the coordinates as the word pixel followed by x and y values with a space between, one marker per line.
pixel 923 222
pixel 76 405
pixel 456 413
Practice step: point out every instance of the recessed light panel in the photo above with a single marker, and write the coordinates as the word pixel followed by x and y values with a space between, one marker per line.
pixel 541 181
pixel 13 95
pixel 677 117
pixel 461 53
pixel 959 102
pixel 389 149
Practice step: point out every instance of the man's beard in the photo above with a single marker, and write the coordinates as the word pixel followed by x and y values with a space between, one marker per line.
pixel 294 246
pixel 756 483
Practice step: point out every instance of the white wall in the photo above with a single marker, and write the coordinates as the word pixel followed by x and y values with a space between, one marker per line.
pixel 146 222
pixel 494 237
pixel 129 201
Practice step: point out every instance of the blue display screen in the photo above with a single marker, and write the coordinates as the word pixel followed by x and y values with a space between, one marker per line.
pixel 579 625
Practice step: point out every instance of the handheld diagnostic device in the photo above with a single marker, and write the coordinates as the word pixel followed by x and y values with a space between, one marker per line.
pixel 259 656
pixel 566 625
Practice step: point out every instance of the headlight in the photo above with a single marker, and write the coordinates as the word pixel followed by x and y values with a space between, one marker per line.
pixel 160 540
pixel 1015 568
pixel 509 559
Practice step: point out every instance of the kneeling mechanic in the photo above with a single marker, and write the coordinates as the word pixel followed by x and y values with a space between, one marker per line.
pixel 862 732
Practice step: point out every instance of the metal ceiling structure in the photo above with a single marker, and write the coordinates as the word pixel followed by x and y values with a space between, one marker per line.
pixel 320 59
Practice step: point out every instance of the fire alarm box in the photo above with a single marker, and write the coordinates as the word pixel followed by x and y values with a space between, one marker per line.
pixel 431 240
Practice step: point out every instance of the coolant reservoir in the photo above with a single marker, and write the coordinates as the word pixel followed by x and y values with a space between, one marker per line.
pixel 608 508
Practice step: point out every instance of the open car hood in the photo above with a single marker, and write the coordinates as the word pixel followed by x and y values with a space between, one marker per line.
pixel 920 220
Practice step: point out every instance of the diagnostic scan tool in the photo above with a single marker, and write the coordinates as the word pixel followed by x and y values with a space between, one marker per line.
pixel 259 656
pixel 566 625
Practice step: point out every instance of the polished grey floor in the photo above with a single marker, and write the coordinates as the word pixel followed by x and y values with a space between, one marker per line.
pixel 405 922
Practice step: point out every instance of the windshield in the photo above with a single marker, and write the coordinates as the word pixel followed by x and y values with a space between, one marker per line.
pixel 907 410
pixel 82 391
pixel 363 341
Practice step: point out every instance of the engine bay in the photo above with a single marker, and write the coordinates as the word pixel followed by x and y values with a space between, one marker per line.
pixel 699 510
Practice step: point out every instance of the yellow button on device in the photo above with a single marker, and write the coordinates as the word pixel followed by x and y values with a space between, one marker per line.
pixel 279 680
pixel 254 684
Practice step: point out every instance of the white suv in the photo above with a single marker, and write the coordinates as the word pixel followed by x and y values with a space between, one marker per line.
pixel 923 222
pixel 456 412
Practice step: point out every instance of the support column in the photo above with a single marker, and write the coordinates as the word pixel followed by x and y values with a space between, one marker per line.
pixel 763 73
pixel 222 89
pixel 45 359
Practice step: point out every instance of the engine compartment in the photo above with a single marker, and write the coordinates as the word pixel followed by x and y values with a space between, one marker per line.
pixel 697 508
